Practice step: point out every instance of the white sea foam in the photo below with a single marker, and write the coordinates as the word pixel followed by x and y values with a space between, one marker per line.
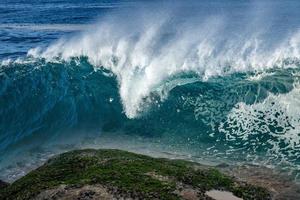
pixel 276 118
pixel 6 62
pixel 143 50
pixel 48 27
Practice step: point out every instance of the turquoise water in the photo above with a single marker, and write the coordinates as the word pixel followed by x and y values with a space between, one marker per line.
pixel 210 81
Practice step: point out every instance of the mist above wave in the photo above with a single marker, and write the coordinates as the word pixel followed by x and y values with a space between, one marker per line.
pixel 143 47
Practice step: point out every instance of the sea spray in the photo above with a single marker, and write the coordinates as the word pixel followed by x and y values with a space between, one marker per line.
pixel 180 78
pixel 156 45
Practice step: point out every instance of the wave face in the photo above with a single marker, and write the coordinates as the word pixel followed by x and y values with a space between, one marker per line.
pixel 199 81
pixel 144 49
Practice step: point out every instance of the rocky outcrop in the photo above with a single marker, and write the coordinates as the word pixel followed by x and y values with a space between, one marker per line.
pixel 114 174
pixel 3 184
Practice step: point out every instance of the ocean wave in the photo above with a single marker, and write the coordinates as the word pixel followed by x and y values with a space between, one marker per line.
pixel 196 82
pixel 43 99
pixel 154 46
pixel 48 27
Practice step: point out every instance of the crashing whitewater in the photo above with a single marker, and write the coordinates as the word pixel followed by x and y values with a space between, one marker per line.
pixel 198 83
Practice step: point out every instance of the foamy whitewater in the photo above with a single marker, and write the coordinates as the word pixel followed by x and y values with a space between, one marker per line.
pixel 157 48
pixel 206 80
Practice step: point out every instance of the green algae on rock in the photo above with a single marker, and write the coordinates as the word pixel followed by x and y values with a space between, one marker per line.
pixel 109 174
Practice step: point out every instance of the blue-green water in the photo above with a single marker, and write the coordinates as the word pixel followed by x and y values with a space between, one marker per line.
pixel 210 81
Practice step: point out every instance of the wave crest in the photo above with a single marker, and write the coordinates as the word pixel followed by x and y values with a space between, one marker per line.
pixel 145 48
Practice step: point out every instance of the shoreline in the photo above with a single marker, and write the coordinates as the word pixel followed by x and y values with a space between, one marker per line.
pixel 278 187
pixel 17 164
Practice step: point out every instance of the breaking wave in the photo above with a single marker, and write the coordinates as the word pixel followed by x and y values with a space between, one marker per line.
pixel 146 52
pixel 201 82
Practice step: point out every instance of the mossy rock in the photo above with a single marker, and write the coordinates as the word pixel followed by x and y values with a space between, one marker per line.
pixel 126 175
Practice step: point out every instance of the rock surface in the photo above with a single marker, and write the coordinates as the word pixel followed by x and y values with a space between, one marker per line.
pixel 114 174
pixel 3 184
pixel 281 186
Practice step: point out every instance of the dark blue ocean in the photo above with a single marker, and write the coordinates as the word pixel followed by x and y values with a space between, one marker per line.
pixel 208 81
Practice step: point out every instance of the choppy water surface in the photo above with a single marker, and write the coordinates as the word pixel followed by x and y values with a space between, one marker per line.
pixel 211 81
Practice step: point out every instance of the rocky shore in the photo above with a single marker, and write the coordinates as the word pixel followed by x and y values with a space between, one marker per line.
pixel 115 174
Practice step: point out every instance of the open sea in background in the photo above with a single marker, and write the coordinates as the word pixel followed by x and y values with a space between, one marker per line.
pixel 208 81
